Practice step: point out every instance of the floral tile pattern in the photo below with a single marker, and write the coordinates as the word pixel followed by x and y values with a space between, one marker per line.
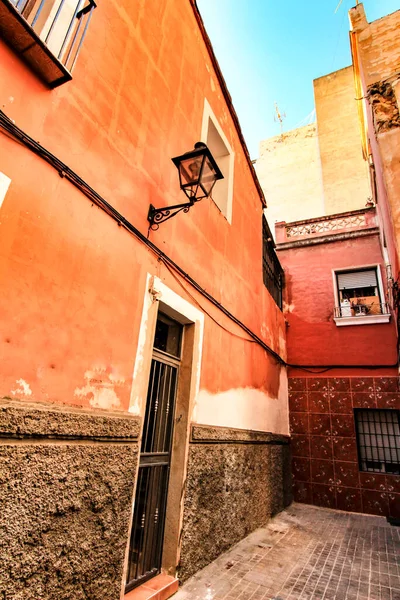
pixel 298 402
pixel 318 402
pixel 340 402
pixel 324 447
pixel 319 424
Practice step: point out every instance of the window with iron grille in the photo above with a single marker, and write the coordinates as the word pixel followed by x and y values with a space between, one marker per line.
pixel 378 440
pixel 272 270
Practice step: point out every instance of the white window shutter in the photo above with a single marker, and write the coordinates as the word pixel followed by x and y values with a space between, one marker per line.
pixel 357 279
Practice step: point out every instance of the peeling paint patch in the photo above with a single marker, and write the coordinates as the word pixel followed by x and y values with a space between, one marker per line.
pixel 288 308
pixel 282 345
pixel 101 388
pixel 23 388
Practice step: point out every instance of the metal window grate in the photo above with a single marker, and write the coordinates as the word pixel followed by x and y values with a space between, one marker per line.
pixel 147 534
pixel 272 270
pixel 378 440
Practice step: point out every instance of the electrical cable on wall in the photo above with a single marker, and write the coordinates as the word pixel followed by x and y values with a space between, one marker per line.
pixel 64 171
pixel 15 133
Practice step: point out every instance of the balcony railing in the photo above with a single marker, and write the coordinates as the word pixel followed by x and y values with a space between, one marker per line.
pixel 311 231
pixel 362 310
pixel 61 24
pixel 326 225
pixel 47 34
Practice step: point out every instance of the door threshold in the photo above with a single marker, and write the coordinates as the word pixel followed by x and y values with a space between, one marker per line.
pixel 159 587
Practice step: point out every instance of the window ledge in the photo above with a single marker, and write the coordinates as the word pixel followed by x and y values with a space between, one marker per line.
pixel 362 320
pixel 20 36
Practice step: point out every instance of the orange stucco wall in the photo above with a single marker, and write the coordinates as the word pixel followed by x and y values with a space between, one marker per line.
pixel 72 281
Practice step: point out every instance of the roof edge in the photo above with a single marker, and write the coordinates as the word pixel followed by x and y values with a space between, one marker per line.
pixel 227 97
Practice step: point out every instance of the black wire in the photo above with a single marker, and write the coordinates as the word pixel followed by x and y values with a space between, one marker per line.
pixel 67 173
pixel 325 368
pixel 64 171
pixel 240 337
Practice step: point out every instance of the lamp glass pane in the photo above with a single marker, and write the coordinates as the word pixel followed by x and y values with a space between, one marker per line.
pixel 190 169
pixel 207 176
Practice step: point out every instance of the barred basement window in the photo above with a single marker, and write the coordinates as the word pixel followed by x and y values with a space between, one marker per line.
pixel 272 270
pixel 378 440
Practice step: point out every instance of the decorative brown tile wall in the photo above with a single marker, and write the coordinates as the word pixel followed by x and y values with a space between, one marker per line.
pixel 324 447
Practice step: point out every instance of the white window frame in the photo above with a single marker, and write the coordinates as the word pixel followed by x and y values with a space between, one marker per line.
pixel 208 115
pixel 368 447
pixel 368 319
pixel 4 185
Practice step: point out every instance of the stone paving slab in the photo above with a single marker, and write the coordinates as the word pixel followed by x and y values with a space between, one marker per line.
pixel 306 553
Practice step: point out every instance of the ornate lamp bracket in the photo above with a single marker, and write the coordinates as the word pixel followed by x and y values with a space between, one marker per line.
pixel 159 215
pixel 198 173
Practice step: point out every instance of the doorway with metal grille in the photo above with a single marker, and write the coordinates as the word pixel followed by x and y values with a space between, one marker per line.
pixel 147 534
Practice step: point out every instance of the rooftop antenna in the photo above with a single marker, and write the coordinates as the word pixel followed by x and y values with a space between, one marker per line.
pixel 279 117
pixel 338 6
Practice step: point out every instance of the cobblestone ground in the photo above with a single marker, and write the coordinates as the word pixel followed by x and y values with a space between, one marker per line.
pixel 306 553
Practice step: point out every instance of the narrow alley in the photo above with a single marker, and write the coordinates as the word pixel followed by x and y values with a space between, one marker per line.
pixel 306 553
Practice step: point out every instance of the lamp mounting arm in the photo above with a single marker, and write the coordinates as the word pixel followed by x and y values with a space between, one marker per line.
pixel 159 215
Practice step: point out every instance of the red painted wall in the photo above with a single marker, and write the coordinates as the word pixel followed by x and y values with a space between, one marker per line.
pixel 72 281
pixel 313 337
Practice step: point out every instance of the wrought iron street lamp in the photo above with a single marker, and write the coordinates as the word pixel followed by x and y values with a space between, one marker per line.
pixel 198 173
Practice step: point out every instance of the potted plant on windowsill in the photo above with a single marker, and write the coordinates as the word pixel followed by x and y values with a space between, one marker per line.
pixel 361 309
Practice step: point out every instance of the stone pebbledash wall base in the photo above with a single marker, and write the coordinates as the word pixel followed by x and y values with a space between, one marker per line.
pixel 66 486
pixel 236 480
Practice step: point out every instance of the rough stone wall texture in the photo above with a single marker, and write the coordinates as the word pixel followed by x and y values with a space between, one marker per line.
pixel 65 507
pixel 232 488
pixel 378 61
pixel 345 174
pixel 389 147
pixel 289 169
pixel 324 448
pixel 379 44
pixel 382 98
pixel 41 421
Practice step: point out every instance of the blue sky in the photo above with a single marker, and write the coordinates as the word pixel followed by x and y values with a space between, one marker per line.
pixel 271 51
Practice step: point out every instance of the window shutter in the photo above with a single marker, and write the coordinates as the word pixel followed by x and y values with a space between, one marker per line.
pixel 357 279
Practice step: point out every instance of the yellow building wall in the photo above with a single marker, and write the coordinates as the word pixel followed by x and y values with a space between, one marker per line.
pixel 289 171
pixel 345 173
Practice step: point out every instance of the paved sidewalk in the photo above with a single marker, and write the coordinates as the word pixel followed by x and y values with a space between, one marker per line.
pixel 306 553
